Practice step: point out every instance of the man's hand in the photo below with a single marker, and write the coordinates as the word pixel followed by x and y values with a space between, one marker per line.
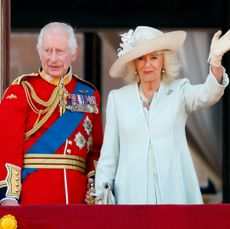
pixel 219 46
pixel 90 194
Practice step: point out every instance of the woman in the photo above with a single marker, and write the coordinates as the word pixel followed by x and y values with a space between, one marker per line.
pixel 145 154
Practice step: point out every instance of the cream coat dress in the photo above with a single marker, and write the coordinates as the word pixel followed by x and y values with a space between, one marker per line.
pixel 124 161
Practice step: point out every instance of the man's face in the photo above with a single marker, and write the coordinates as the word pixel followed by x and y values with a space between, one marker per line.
pixel 55 53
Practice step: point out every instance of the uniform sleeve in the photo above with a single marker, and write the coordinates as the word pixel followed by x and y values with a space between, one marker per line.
pixel 12 125
pixel 203 95
pixel 96 140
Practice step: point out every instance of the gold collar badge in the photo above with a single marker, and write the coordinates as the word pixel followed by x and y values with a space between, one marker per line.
pixel 56 80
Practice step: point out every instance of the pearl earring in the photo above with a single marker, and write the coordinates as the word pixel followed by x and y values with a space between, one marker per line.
pixel 135 72
pixel 162 70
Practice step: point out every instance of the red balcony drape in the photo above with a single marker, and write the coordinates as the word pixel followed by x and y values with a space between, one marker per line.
pixel 207 216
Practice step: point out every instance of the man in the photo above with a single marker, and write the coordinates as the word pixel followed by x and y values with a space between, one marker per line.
pixel 50 127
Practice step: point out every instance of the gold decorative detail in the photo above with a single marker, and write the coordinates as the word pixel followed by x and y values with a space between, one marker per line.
pixel 12 96
pixel 56 80
pixel 84 81
pixel 89 143
pixel 95 164
pixel 58 97
pixel 56 166
pixel 8 222
pixel 13 180
pixel 19 79
pixel 54 156
pixel 91 174
pixel 2 184
pixel 54 161
pixel 90 198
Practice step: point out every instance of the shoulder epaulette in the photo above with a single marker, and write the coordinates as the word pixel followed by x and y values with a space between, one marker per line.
pixel 19 79
pixel 86 82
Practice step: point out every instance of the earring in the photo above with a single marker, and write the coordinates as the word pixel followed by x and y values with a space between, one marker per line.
pixel 162 70
pixel 135 72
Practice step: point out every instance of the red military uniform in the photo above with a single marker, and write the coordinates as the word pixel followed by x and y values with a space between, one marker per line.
pixel 58 177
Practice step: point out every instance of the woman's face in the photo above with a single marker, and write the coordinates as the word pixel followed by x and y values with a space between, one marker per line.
pixel 149 67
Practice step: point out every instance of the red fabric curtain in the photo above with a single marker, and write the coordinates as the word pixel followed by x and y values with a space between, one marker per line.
pixel 121 216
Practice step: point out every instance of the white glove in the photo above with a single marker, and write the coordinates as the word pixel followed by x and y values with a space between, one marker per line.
pixel 219 46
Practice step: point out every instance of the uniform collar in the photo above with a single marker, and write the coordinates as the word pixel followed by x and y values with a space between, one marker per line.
pixel 55 80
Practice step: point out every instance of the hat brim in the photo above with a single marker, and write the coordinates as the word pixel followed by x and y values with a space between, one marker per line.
pixel 171 41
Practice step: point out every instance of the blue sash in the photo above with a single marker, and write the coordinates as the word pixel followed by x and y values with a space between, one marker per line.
pixel 57 134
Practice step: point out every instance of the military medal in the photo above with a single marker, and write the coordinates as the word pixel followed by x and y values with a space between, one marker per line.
pixel 82 103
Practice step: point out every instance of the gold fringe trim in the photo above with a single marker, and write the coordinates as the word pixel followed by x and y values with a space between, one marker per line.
pixel 54 161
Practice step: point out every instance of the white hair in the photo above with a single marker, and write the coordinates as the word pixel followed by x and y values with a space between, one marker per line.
pixel 172 67
pixel 60 27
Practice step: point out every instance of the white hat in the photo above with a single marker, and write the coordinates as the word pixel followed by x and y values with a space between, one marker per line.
pixel 141 41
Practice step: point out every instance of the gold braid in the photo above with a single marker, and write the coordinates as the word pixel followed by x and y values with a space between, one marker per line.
pixel 58 97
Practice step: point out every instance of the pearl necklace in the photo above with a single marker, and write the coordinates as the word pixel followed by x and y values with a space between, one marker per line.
pixel 146 102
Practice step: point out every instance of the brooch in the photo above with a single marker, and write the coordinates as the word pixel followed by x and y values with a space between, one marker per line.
pixel 169 92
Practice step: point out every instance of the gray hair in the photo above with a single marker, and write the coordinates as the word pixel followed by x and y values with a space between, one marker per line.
pixel 172 67
pixel 60 27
